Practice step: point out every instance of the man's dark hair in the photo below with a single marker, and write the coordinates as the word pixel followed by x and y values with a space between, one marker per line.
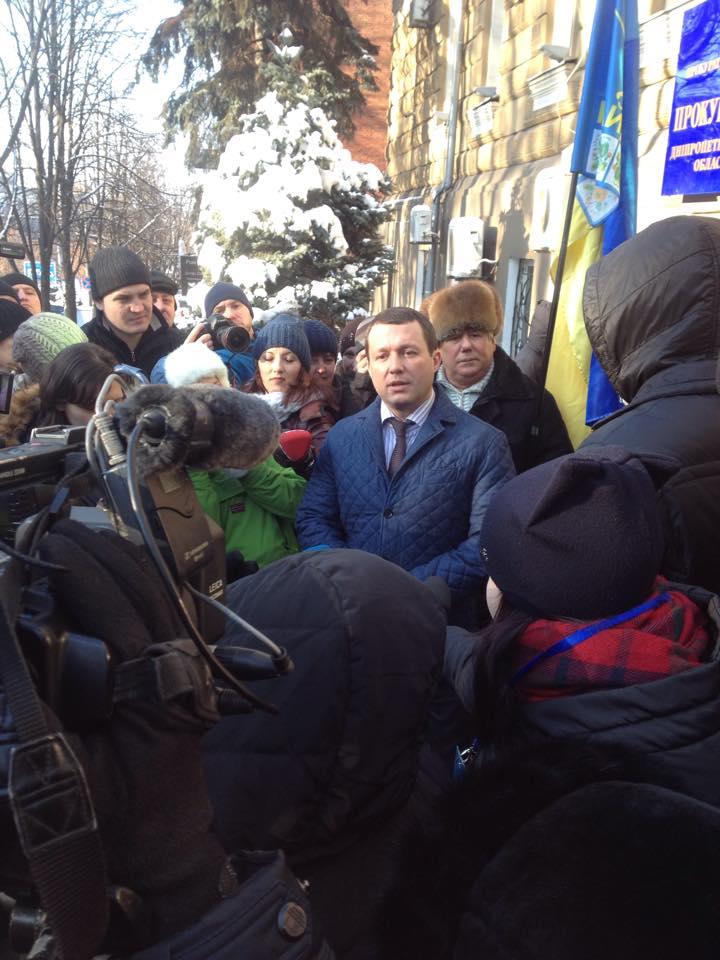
pixel 399 316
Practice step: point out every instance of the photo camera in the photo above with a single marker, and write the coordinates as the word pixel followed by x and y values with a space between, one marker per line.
pixel 226 335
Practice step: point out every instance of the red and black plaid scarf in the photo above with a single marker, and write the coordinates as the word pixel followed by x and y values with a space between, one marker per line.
pixel 670 635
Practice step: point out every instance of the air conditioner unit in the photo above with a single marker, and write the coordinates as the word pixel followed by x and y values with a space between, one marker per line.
pixel 466 237
pixel 420 13
pixel 420 224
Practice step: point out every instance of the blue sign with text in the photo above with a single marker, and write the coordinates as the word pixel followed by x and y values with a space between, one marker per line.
pixel 692 162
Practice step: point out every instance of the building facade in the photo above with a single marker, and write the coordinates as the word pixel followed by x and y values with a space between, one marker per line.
pixel 481 122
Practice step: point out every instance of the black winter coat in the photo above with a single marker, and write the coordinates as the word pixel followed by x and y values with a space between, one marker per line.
pixel 157 341
pixel 564 852
pixel 652 313
pixel 328 780
pixel 509 402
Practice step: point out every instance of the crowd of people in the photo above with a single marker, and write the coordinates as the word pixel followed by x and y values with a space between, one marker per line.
pixel 500 736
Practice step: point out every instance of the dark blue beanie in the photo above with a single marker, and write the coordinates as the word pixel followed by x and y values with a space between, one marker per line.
pixel 579 537
pixel 320 337
pixel 225 291
pixel 284 330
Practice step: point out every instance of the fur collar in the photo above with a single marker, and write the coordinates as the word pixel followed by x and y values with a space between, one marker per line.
pixel 24 408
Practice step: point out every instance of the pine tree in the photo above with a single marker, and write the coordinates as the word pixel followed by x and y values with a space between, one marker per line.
pixel 289 215
pixel 225 45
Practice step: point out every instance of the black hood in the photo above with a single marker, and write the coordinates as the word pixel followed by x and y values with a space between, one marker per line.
pixel 367 641
pixel 654 301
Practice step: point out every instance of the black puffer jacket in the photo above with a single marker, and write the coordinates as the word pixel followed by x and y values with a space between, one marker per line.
pixel 329 779
pixel 157 341
pixel 509 402
pixel 652 313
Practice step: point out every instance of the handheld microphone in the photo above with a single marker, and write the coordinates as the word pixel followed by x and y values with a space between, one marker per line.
pixel 295 444
pixel 202 426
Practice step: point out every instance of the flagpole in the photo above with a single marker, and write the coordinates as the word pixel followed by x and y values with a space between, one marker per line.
pixel 537 425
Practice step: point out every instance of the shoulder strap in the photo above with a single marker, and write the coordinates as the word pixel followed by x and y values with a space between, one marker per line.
pixel 53 814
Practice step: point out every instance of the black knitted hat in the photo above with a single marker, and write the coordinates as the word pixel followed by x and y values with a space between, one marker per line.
pixel 320 337
pixel 162 283
pixel 347 337
pixel 225 291
pixel 7 290
pixel 16 279
pixel 578 537
pixel 115 267
pixel 11 316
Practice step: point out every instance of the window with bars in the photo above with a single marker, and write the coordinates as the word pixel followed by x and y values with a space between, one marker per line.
pixel 522 305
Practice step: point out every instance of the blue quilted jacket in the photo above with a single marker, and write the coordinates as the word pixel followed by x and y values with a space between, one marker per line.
pixel 427 518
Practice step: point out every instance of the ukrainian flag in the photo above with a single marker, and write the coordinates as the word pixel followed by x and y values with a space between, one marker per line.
pixel 604 206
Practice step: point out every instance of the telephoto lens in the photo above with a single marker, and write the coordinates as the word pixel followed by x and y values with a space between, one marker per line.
pixel 235 339
pixel 225 335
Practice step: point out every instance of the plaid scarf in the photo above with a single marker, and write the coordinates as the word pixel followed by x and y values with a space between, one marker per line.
pixel 664 636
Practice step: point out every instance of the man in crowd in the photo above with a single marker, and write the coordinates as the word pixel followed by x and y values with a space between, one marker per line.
pixel 480 378
pixel 164 290
pixel 651 314
pixel 26 289
pixel 125 322
pixel 410 477
pixel 230 302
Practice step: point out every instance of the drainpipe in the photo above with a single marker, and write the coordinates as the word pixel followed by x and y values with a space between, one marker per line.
pixel 452 87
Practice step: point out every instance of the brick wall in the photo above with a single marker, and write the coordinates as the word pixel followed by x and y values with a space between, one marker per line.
pixel 373 18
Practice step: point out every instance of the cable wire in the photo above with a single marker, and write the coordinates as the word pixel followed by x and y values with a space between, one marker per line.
pixel 167 577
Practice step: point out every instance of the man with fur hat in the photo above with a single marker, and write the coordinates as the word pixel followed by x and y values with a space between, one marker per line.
pixel 480 378
pixel 27 291
pixel 125 321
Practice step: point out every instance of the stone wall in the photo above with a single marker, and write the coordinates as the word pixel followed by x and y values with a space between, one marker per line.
pixel 513 174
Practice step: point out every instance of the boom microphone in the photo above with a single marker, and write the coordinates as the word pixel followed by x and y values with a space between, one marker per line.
pixel 201 426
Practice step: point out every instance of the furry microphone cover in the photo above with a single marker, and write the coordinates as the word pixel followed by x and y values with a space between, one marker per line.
pixel 245 430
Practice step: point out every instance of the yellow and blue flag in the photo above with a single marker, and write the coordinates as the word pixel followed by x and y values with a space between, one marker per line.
pixel 604 206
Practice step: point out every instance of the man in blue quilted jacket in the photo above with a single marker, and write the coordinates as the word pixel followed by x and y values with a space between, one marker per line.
pixel 410 477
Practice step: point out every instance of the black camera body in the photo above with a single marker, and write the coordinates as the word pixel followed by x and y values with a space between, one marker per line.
pixel 226 335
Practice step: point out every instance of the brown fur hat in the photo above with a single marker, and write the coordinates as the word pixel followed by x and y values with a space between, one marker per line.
pixel 468 303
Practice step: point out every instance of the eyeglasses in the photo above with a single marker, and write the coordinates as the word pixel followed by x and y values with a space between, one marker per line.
pixel 474 333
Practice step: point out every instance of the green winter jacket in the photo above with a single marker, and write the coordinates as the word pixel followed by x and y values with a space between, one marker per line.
pixel 256 511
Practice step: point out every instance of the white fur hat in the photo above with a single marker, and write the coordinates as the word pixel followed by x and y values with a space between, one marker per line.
pixel 192 362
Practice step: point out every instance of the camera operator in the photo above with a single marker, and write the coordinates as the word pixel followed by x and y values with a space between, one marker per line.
pixel 227 329
pixel 103 705
pixel 231 303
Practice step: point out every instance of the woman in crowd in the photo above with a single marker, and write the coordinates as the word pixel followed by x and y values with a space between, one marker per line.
pixel 283 378
pixel 36 341
pixel 70 384
pixel 255 508
pixel 323 351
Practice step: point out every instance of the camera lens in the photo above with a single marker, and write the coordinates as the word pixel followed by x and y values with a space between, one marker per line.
pixel 235 339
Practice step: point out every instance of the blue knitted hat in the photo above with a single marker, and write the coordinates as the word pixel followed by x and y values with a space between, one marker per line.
pixel 225 291
pixel 320 337
pixel 284 330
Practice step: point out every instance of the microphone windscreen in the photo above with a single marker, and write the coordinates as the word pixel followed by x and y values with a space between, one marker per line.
pixel 245 429
pixel 205 427
pixel 295 444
